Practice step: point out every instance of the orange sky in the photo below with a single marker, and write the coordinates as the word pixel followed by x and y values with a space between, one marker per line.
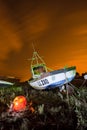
pixel 58 29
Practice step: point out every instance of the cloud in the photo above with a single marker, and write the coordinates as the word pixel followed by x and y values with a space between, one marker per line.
pixel 60 28
pixel 8 37
pixel 37 25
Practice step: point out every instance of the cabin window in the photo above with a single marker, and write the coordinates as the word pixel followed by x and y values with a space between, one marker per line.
pixel 39 70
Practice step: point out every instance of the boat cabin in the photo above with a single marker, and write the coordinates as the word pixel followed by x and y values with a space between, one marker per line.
pixel 38 70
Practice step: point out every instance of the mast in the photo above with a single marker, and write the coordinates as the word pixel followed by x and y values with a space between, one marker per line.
pixel 36 59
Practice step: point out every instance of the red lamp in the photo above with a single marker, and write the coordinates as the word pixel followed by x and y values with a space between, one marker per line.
pixel 19 103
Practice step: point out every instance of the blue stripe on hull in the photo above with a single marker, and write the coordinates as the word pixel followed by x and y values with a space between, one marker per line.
pixel 58 84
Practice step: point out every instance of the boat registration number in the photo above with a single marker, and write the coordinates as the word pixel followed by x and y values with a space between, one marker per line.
pixel 43 82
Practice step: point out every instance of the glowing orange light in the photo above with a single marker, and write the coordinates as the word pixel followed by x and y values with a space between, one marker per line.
pixel 19 103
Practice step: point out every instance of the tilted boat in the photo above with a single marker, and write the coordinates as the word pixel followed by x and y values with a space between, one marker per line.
pixel 45 78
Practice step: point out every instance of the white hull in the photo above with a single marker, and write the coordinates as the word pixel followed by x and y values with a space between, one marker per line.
pixel 54 79
pixel 2 82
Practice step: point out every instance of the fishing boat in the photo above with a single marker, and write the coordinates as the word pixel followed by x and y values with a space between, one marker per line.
pixel 46 78
pixel 5 83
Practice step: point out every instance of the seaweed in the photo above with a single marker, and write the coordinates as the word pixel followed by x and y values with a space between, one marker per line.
pixel 54 110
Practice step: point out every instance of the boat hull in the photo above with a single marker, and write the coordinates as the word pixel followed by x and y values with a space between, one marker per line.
pixel 5 83
pixel 54 79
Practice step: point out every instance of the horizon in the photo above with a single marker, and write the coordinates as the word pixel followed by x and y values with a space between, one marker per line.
pixel 30 75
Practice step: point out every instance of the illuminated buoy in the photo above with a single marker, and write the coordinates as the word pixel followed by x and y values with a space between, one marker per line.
pixel 19 103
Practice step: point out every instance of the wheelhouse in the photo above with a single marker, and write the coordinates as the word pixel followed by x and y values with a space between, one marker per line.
pixel 38 70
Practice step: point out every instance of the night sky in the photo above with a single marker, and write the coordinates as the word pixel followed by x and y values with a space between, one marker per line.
pixel 58 29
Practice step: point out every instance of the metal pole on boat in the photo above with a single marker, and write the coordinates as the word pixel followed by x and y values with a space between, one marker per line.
pixel 35 57
pixel 67 94
pixel 85 79
pixel 33 47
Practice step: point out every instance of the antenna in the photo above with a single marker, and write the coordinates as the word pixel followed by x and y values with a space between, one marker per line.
pixel 33 47
pixel 33 52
